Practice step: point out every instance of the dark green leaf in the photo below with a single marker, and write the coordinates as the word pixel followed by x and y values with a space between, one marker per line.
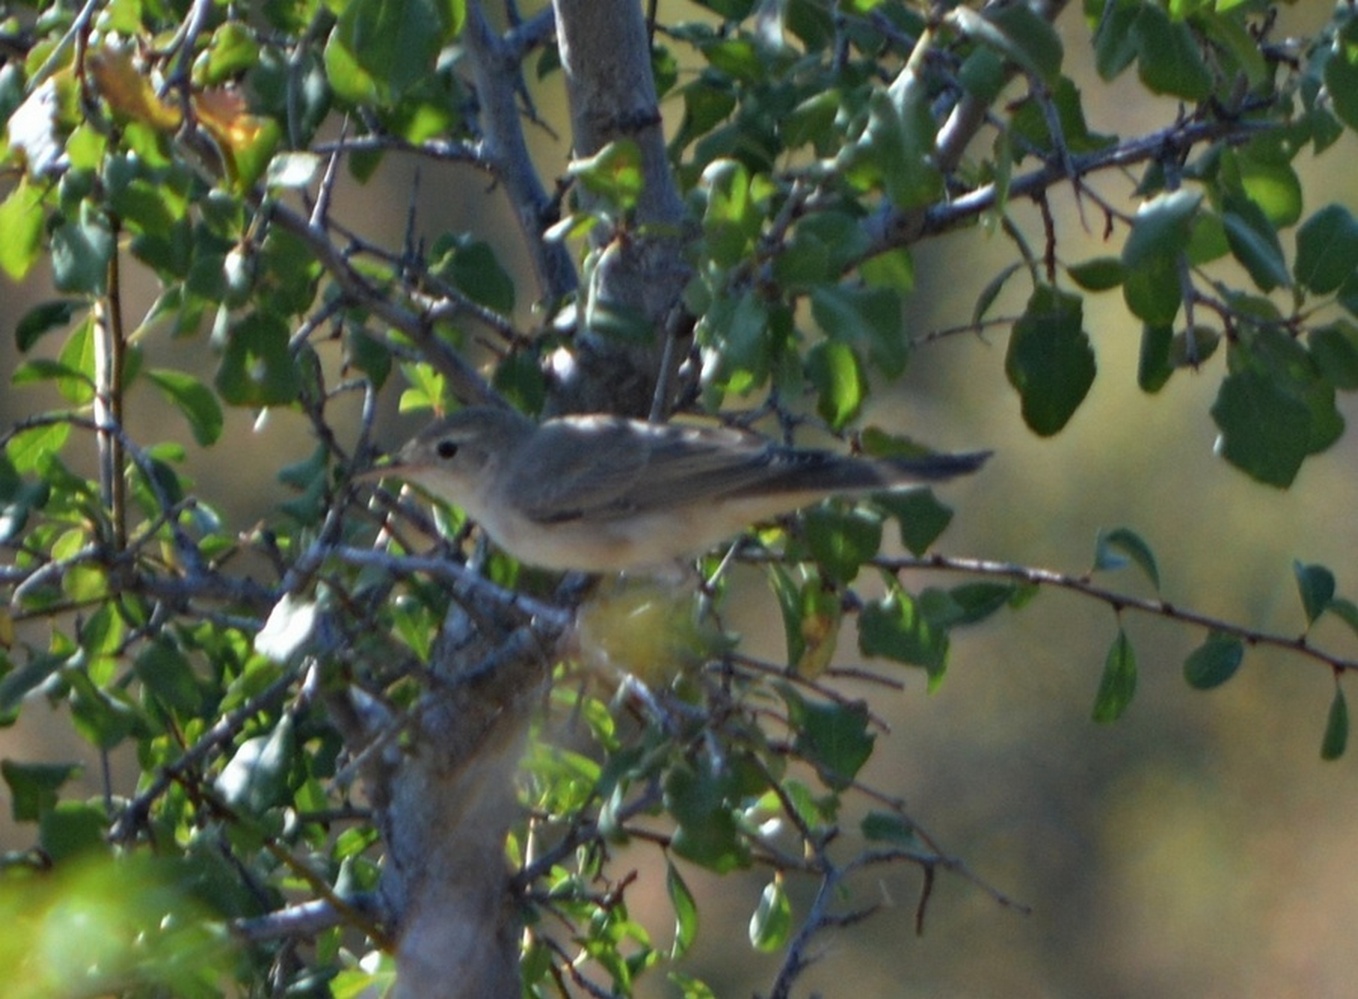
pixel 1214 661
pixel 1327 249
pixel 1346 610
pixel 1341 74
pixel 832 736
pixel 1316 585
pixel 992 291
pixel 919 514
pixel 1019 34
pixel 1254 242
pixel 842 540
pixel 474 269
pixel 706 832
pixel 897 628
pixel 1335 350
pixel 1153 366
pixel 81 251
pixel 898 148
pixel 192 398
pixel 1154 291
pixel 1161 228
pixel 1336 738
pixel 1265 429
pixel 1118 684
pixel 257 368
pixel 1099 274
pixel 977 601
pixel 869 317
pixel 1168 57
pixel 71 828
pixel 1115 43
pixel 1049 360
pixel 33 786
pixel 1114 548
pixel 888 827
pixel 43 319
pixel 167 674
pixel 27 678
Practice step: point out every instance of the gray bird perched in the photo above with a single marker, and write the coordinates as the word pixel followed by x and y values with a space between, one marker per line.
pixel 605 494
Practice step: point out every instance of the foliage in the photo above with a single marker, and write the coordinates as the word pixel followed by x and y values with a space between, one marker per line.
pixel 811 144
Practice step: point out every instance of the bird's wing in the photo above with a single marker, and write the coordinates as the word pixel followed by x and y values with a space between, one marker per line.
pixel 616 468
pixel 575 467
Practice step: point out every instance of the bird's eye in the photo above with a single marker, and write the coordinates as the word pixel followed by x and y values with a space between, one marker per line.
pixel 446 449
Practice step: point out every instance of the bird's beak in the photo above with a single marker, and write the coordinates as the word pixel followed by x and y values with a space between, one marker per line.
pixel 391 467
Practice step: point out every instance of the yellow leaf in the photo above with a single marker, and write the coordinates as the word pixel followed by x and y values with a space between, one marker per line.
pixel 128 91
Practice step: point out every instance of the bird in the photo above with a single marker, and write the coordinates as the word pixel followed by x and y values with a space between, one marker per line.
pixel 601 493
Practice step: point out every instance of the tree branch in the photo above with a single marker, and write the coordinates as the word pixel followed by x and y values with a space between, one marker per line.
pixel 1298 644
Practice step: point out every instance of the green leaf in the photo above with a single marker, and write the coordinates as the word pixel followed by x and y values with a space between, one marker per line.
pixel 685 912
pixel 977 601
pixel 1214 661
pixel 1168 57
pixel 43 319
pixel 71 828
pixel 1114 548
pixel 1154 291
pixel 613 173
pixel 257 368
pixel 1316 585
pixel 1341 74
pixel 1336 738
pixel 1050 362
pixel 33 787
pixel 1153 366
pixel 1019 34
pixel 1161 228
pixel 1346 610
pixel 168 675
pixel 1098 274
pixel 1118 684
pixel 21 220
pixel 1335 351
pixel 395 42
pixel 699 799
pixel 1265 429
pixel 1254 242
pixel 897 151
pixel 992 291
pixel 833 368
pixel 842 540
pixel 771 924
pixel 192 398
pixel 1327 249
pixel 255 779
pixel 888 827
pixel 81 252
pixel 919 514
pixel 897 628
pixel 833 736
pixel 869 317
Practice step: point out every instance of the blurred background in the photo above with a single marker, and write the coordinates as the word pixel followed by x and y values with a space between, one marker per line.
pixel 1198 847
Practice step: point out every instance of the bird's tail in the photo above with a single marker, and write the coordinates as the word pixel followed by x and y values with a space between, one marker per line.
pixel 936 467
